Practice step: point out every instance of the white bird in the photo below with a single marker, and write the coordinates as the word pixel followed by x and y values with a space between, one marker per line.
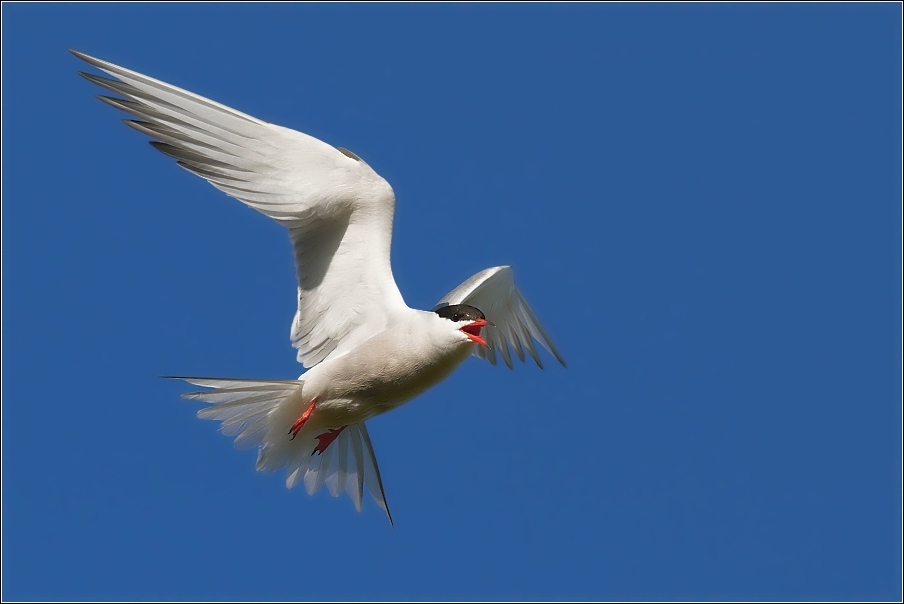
pixel 366 352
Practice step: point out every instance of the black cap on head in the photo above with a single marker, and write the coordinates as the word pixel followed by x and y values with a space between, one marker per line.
pixel 459 312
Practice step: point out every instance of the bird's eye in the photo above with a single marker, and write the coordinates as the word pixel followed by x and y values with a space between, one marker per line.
pixel 456 317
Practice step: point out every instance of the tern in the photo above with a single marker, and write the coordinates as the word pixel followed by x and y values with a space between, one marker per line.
pixel 364 350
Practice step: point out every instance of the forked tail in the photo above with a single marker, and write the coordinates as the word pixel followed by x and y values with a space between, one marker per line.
pixel 259 412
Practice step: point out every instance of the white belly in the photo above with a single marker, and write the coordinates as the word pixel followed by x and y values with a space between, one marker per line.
pixel 381 374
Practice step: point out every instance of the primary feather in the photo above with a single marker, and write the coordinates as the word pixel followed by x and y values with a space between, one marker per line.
pixel 339 212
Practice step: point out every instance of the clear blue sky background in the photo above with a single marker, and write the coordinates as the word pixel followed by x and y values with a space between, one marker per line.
pixel 703 204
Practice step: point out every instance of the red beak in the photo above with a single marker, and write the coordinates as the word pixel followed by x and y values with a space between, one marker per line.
pixel 472 330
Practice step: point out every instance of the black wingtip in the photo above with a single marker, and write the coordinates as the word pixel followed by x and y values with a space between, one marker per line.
pixel 99 80
pixel 166 149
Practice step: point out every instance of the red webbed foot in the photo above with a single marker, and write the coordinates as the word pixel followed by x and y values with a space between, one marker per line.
pixel 326 439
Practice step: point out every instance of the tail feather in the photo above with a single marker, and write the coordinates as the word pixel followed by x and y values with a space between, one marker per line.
pixel 230 382
pixel 259 413
pixel 348 464
pixel 223 411
pixel 372 477
pixel 243 406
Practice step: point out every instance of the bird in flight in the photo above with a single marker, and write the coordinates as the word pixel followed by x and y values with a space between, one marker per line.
pixel 365 351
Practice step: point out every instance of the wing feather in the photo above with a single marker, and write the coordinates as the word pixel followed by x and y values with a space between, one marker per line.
pixel 339 212
pixel 494 292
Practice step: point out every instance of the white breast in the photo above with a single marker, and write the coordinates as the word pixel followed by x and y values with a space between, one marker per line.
pixel 390 369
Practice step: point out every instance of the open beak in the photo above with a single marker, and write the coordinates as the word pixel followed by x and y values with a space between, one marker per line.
pixel 472 330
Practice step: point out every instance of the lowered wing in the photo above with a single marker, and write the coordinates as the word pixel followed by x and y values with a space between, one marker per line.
pixel 494 292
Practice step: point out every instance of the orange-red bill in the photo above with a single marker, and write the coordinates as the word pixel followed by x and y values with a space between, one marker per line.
pixel 472 330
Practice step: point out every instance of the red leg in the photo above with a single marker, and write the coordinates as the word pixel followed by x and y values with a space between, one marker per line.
pixel 326 439
pixel 300 422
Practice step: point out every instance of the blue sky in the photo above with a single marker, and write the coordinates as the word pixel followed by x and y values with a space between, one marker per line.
pixel 702 203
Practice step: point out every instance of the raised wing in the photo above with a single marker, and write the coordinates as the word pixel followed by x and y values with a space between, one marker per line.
pixel 338 210
pixel 494 292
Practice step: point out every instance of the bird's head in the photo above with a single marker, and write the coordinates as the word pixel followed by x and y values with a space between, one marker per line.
pixel 466 319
